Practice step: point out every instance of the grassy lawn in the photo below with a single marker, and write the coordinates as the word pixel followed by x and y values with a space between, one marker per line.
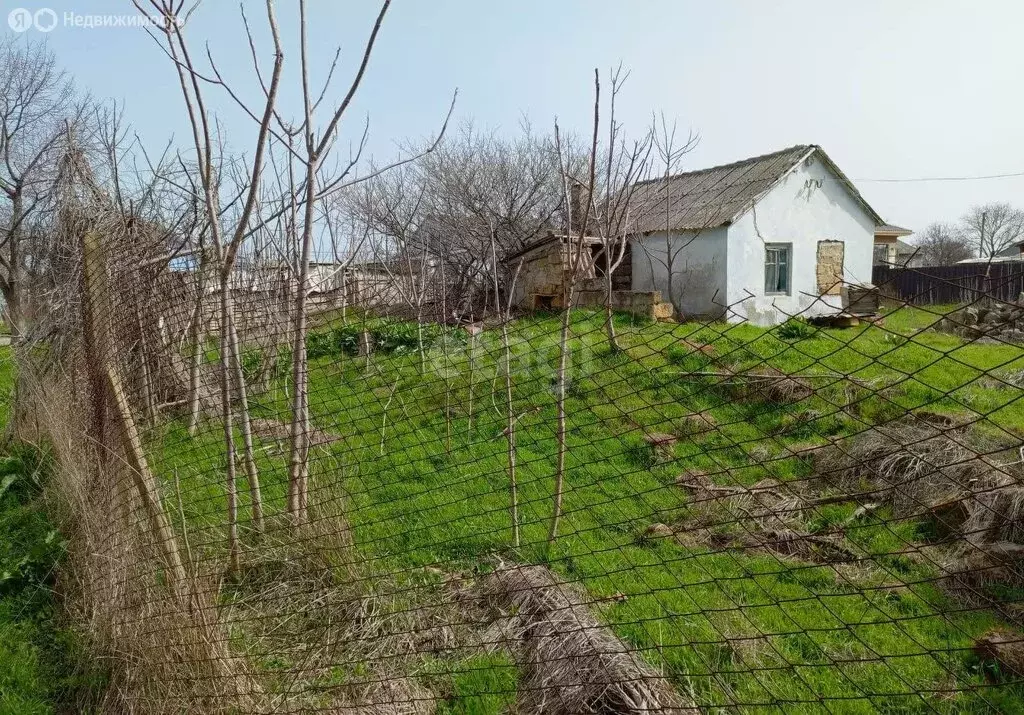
pixel 420 467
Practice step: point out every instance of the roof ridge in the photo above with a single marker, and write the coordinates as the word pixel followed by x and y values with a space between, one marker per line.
pixel 730 164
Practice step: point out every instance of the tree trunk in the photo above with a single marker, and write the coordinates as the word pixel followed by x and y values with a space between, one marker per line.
pixel 563 341
pixel 148 388
pixel 227 418
pixel 196 339
pixel 510 433
pixel 252 473
pixel 13 287
pixel 298 470
pixel 609 325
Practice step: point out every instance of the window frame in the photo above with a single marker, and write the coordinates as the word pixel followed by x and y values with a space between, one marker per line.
pixel 788 249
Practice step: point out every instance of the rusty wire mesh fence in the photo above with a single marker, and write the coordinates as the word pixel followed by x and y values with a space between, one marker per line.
pixel 525 512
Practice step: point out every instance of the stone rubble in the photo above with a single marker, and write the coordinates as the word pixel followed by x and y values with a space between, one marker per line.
pixel 1003 321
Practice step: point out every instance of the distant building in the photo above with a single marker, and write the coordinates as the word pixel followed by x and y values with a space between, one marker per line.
pixel 889 249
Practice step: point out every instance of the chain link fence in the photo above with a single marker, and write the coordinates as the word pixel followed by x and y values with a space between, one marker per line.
pixel 444 471
pixel 527 512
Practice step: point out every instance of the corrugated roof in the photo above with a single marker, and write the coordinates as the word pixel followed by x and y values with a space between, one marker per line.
pixel 716 196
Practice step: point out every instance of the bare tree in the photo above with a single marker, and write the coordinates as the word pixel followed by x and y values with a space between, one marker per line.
pixel 578 256
pixel 317 185
pixel 38 108
pixel 623 165
pixel 225 241
pixel 658 197
pixel 505 316
pixel 992 228
pixel 942 244
pixel 474 184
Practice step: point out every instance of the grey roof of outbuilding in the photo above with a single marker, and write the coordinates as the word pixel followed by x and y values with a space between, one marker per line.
pixel 717 196
pixel 905 249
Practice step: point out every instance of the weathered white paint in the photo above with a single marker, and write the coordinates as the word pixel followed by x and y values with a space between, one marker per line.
pixel 808 205
pixel 698 263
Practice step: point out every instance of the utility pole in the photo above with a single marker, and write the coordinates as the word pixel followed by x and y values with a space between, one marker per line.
pixel 988 266
pixel 981 239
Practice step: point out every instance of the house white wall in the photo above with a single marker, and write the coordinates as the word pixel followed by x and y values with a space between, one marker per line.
pixel 809 205
pixel 698 268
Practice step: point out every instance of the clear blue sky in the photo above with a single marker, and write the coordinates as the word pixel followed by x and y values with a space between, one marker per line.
pixel 902 89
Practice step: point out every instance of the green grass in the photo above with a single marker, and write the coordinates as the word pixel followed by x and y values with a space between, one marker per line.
pixel 41 669
pixel 39 658
pixel 729 626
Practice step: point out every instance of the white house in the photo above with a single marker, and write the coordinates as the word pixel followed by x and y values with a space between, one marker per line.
pixel 757 240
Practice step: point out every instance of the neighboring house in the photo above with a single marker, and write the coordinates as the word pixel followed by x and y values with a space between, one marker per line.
pixel 1014 252
pixel 889 248
pixel 757 240
pixel 379 284
pixel 908 256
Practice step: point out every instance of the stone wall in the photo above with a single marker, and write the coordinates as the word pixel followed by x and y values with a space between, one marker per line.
pixel 542 272
pixel 643 303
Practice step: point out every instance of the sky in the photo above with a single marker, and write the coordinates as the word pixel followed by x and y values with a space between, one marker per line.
pixel 905 90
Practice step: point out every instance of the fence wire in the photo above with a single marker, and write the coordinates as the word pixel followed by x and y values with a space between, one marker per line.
pixel 519 512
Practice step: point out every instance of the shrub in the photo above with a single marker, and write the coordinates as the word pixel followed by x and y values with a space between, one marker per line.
pixel 391 337
pixel 252 364
pixel 796 329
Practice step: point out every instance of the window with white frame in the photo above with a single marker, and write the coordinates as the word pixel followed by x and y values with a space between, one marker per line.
pixel 777 268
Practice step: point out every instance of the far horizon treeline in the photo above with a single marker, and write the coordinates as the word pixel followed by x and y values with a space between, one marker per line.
pixel 985 231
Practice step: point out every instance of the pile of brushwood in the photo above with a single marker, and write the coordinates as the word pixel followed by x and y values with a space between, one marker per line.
pixel 568 661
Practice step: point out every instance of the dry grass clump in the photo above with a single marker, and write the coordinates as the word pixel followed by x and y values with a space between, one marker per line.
pixel 925 468
pixel 770 384
pixel 165 645
pixel 340 639
pixel 203 646
pixel 766 516
pixel 971 568
pixel 569 662
pixel 995 516
pixel 910 464
pixel 769 504
pixel 697 423
pixel 763 384
pixel 277 430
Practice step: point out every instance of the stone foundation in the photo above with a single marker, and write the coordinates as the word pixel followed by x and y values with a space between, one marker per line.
pixel 643 303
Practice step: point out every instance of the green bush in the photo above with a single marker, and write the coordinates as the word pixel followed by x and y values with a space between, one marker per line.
pixel 391 337
pixel 796 329
pixel 252 363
